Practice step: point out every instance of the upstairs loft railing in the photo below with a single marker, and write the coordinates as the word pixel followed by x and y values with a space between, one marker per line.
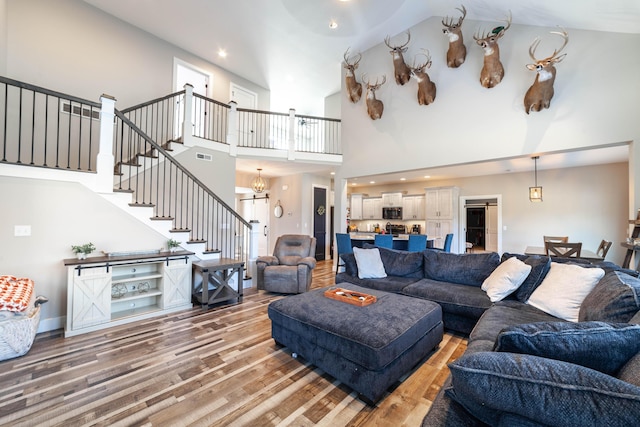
pixel 211 120
pixel 44 128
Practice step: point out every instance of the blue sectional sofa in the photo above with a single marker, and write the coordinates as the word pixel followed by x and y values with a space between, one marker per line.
pixel 525 364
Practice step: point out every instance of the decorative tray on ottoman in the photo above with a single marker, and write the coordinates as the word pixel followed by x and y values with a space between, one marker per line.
pixel 350 297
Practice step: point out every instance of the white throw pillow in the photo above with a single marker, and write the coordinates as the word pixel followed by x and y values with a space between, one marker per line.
pixel 369 263
pixel 564 288
pixel 505 279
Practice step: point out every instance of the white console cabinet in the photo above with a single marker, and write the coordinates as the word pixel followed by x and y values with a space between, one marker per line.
pixel 107 291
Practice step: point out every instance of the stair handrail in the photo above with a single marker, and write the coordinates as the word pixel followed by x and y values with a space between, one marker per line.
pixel 184 170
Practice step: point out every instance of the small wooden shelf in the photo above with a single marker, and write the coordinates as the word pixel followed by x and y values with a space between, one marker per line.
pixel 134 295
pixel 126 278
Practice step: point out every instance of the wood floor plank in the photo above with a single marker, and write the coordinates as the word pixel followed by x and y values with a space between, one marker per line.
pixel 216 367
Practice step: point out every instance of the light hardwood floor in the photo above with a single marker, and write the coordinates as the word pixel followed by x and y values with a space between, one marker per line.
pixel 214 368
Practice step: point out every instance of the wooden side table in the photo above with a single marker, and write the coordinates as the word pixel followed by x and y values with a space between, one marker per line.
pixel 217 272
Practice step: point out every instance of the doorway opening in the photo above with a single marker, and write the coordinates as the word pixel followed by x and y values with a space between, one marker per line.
pixel 481 223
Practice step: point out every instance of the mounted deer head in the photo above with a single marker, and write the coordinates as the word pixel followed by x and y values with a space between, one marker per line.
pixel 354 89
pixel 426 88
pixel 400 69
pixel 492 71
pixel 457 52
pixel 375 107
pixel 541 91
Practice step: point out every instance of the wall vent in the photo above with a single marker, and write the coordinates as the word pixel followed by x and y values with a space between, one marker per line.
pixel 203 156
pixel 78 109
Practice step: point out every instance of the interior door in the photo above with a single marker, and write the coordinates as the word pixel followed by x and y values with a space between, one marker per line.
pixel 257 210
pixel 491 221
pixel 186 73
pixel 247 122
pixel 320 221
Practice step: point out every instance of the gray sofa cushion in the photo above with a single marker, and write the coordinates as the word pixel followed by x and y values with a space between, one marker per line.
pixel 464 269
pixel 464 300
pixel 616 298
pixel 390 283
pixel 504 314
pixel 396 263
pixel 493 386
pixel 602 346
pixel 540 266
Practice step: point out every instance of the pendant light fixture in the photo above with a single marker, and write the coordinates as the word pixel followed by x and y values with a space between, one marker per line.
pixel 535 193
pixel 258 184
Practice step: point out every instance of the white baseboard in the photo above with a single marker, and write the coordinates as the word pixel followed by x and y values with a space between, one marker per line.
pixel 51 324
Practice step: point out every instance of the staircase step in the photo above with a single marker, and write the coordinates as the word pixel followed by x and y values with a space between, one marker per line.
pixel 211 251
pixel 180 230
pixel 196 241
pixel 142 205
pixel 162 218
pixel 123 190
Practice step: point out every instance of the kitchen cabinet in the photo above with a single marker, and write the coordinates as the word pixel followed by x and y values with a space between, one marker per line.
pixel 113 290
pixel 413 207
pixel 356 206
pixel 442 214
pixel 372 208
pixel 392 200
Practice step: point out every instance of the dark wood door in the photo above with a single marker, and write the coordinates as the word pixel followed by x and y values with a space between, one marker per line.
pixel 320 221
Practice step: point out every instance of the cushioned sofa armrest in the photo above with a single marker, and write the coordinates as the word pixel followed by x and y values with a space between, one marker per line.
pixel 308 261
pixel 268 259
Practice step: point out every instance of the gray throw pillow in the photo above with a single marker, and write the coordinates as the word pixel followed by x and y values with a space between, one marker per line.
pixel 492 386
pixel 540 266
pixel 616 298
pixel 597 345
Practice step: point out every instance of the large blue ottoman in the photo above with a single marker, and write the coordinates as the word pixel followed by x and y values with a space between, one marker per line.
pixel 367 348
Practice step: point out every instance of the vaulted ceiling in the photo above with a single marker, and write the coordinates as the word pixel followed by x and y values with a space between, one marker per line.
pixel 288 47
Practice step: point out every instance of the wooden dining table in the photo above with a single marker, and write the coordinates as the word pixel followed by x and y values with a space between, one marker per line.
pixel 584 253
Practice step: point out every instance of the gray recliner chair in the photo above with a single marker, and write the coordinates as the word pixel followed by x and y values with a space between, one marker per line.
pixel 290 268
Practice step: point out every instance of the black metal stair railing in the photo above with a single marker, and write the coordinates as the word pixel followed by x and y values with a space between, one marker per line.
pixel 43 128
pixel 156 179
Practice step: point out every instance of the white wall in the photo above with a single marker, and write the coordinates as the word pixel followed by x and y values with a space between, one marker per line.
pixel 595 104
pixel 60 214
pixel 74 48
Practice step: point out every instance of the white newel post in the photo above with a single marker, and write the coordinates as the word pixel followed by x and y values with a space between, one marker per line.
pixel 105 161
pixel 187 118
pixel 232 128
pixel 253 250
pixel 292 134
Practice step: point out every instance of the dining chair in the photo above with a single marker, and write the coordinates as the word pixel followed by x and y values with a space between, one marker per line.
pixel 384 241
pixel 343 243
pixel 562 249
pixel 603 248
pixel 559 239
pixel 447 243
pixel 417 242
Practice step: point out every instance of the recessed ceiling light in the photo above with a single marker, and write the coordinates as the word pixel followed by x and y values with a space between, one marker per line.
pixel 333 173
pixel 403 179
pixel 222 53
pixel 372 182
pixel 333 24
pixel 427 176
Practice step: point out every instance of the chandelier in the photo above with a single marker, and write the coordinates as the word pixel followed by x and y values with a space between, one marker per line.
pixel 535 193
pixel 258 184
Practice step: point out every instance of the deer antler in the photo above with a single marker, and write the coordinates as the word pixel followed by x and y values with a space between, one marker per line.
pixel 388 39
pixel 346 59
pixel 497 32
pixel 449 21
pixel 426 64
pixel 536 42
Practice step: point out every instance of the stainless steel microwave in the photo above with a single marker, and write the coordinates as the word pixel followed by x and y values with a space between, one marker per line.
pixel 391 213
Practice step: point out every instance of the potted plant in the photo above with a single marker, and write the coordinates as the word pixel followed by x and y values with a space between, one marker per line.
pixel 173 245
pixel 82 251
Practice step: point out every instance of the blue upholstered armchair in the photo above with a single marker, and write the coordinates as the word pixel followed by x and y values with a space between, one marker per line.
pixel 289 269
